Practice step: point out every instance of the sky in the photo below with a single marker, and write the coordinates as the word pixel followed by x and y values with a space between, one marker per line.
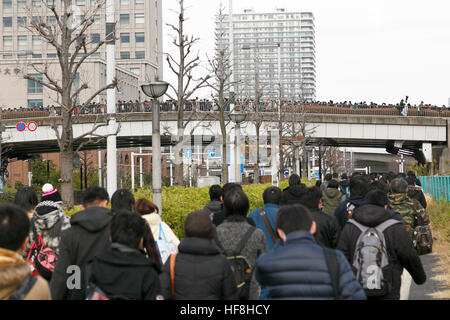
pixel 367 50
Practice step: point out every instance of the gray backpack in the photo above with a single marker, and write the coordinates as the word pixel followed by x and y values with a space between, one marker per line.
pixel 371 259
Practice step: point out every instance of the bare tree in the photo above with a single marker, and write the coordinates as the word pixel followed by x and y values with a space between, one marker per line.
pixel 70 38
pixel 183 68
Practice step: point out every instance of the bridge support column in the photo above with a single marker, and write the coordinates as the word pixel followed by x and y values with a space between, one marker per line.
pixel 444 161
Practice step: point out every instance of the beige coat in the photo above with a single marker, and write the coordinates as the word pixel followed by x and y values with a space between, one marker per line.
pixel 13 270
pixel 154 220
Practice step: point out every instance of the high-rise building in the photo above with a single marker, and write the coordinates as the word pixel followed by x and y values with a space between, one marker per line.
pixel 138 47
pixel 256 56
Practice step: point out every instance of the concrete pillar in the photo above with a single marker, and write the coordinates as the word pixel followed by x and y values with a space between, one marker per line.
pixel 444 161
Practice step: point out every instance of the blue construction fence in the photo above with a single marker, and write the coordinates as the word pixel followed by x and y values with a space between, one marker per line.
pixel 437 187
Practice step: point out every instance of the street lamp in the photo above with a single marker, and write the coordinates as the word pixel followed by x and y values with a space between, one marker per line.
pixel 237 117
pixel 156 90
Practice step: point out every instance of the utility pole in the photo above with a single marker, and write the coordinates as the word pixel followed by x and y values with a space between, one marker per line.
pixel 111 142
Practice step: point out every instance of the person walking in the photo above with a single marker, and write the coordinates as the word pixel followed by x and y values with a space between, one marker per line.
pixel 331 197
pixel 294 192
pixel 27 199
pixel 264 218
pixel 215 204
pixel 16 280
pixel 200 271
pixel 297 266
pixel 123 271
pixel 236 229
pixel 89 234
pixel 48 221
pixel 413 215
pixel 398 246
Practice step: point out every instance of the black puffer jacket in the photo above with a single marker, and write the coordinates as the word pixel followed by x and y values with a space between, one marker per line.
pixel 201 273
pixel 415 192
pixel 88 235
pixel 125 272
pixel 398 243
pixel 328 230
pixel 292 194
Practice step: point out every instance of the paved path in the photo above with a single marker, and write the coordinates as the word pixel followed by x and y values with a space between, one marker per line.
pixel 423 291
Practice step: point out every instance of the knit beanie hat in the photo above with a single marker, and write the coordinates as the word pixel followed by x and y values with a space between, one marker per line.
pixel 49 193
pixel 198 224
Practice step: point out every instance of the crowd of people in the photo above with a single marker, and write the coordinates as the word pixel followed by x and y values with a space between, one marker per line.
pixel 346 238
pixel 205 105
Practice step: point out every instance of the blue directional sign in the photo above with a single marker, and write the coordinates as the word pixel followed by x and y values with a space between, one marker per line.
pixel 188 153
pixel 212 153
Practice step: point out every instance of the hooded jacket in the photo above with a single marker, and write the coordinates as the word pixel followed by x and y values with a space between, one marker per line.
pixel 52 223
pixel 297 269
pixel 213 206
pixel 416 192
pixel 154 221
pixel 121 271
pixel 89 234
pixel 331 197
pixel 13 270
pixel 201 273
pixel 328 230
pixel 341 212
pixel 400 249
pixel 292 194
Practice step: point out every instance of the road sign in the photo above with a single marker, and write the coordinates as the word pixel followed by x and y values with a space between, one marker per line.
pixel 188 153
pixel 32 126
pixel 212 153
pixel 286 172
pixel 21 126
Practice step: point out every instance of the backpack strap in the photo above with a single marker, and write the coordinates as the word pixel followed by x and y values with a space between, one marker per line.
pixel 358 225
pixel 272 233
pixel 333 269
pixel 172 276
pixel 386 224
pixel 240 246
pixel 24 288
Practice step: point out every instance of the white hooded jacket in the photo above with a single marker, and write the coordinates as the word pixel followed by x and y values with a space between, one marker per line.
pixel 154 220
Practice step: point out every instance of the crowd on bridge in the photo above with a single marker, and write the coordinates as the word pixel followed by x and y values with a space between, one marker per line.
pixel 304 243
pixel 206 105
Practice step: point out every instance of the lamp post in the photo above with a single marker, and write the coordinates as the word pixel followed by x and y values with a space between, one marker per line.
pixel 156 90
pixel 297 156
pixel 237 117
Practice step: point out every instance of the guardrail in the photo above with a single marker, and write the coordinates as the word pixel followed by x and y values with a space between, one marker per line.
pixel 437 187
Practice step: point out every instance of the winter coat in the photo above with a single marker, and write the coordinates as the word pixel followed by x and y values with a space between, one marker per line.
pixel 297 269
pixel 201 273
pixel 399 245
pixel 331 197
pixel 89 234
pixel 213 206
pixel 341 212
pixel 52 223
pixel 328 230
pixel 230 233
pixel 154 220
pixel 121 271
pixel 13 271
pixel 292 194
pixel 271 210
pixel 416 192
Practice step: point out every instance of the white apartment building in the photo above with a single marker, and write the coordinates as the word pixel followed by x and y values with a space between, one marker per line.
pixel 138 46
pixel 256 37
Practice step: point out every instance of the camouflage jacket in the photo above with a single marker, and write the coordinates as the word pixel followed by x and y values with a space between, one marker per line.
pixel 412 212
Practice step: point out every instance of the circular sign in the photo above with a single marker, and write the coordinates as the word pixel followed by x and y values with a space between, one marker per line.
pixel 21 126
pixel 32 126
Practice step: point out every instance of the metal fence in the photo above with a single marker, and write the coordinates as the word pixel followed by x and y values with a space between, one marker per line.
pixel 437 187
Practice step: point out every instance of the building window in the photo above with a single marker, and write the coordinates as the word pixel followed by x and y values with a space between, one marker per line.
pixel 7 56
pixel 21 21
pixel 140 36
pixel 7 4
pixel 51 55
pixel 36 3
pixel 125 55
pixel 7 41
pixel 139 18
pixel 81 3
pixel 7 22
pixel 124 2
pixel 140 55
pixel 51 20
pixel 22 41
pixel 36 41
pixel 21 4
pixel 125 37
pixel 139 2
pixel 36 55
pixel 35 103
pixel 95 38
pixel 33 86
pixel 97 19
pixel 125 18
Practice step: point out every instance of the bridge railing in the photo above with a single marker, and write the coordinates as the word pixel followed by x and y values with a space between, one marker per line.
pixel 437 186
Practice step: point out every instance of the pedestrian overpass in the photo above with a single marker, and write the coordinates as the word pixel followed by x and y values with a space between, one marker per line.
pixel 392 132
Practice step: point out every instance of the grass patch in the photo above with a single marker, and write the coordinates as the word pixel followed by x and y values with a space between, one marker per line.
pixel 440 225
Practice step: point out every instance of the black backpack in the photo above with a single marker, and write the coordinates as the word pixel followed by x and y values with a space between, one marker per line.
pixel 240 265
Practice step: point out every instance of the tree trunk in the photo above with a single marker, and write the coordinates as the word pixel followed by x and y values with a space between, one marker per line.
pixel 66 162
